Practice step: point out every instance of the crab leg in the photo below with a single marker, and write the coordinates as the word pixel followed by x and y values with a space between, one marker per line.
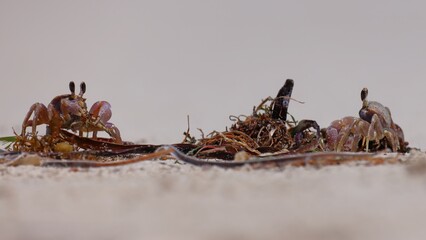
pixel 375 131
pixel 392 139
pixel 40 117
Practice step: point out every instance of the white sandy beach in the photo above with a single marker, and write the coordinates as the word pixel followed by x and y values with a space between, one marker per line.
pixel 166 200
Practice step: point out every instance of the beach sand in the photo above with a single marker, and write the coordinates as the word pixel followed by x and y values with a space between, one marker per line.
pixel 170 200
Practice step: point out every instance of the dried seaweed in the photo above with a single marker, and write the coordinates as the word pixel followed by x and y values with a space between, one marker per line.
pixel 265 130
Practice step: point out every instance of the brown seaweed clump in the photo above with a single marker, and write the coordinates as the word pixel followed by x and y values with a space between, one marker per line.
pixel 267 130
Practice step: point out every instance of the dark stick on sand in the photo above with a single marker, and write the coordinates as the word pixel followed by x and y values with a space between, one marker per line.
pixel 281 102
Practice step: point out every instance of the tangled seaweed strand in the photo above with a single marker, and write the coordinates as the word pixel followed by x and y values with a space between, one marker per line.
pixel 266 132
pixel 29 143
pixel 256 134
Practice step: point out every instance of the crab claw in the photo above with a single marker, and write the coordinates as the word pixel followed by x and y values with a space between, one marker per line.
pixel 101 113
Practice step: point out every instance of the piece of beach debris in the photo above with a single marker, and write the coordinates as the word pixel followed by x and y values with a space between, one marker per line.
pixel 266 130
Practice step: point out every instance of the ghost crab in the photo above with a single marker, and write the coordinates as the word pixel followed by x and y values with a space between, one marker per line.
pixel 374 124
pixel 69 111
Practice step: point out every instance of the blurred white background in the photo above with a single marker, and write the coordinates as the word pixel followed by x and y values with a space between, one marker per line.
pixel 158 61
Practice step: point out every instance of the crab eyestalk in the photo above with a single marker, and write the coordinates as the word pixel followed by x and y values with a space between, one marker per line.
pixel 281 102
pixel 364 94
pixel 72 89
pixel 365 113
pixel 82 88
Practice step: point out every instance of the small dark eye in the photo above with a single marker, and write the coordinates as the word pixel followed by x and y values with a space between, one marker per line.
pixel 364 93
pixel 72 87
pixel 83 87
